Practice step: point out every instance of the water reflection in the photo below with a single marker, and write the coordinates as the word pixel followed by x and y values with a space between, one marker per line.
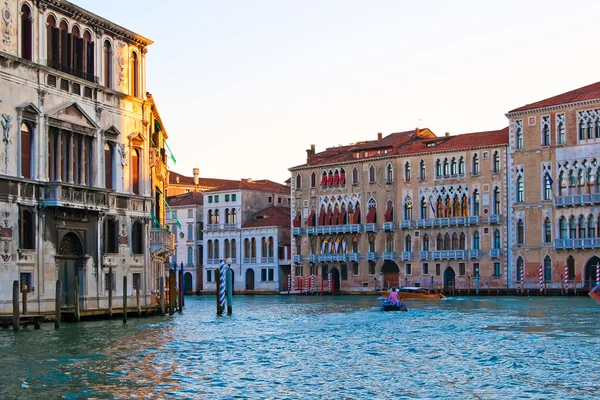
pixel 317 347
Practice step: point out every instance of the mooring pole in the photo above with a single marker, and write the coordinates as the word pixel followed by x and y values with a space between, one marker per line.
pixel 162 295
pixel 57 305
pixel 172 302
pixel 229 290
pixel 24 290
pixel 15 299
pixel 137 298
pixel 125 299
pixel 181 289
pixel 110 291
pixel 477 281
pixel 77 316
pixel 221 287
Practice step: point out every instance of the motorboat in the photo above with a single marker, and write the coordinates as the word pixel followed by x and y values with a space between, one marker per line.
pixel 410 292
pixel 388 305
pixel 595 293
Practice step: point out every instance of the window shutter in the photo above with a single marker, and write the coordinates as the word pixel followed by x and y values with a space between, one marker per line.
pixel 90 69
pixel 63 50
pixel 26 154
pixel 56 42
pixel 69 54
pixel 49 47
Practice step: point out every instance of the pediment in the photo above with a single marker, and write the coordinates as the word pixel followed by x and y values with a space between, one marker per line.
pixel 137 138
pixel 111 131
pixel 29 108
pixel 74 114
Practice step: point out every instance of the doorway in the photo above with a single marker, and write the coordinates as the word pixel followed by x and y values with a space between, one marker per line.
pixel 449 278
pixel 70 262
pixel 249 279
pixel 590 272
pixel 391 273
pixel 335 280
pixel 187 283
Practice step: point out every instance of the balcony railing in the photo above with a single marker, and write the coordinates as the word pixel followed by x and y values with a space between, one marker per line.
pixel 495 253
pixel 474 254
pixel 424 255
pixel 406 224
pixel 446 221
pixel 371 256
pixel 340 257
pixel 162 242
pixel 577 200
pixel 370 227
pixel 296 231
pixel 474 220
pixel 352 228
pixel 449 255
pixel 353 257
pixel 312 258
pixel 297 259
pixel 388 226
pixel 88 76
pixel 388 255
pixel 311 230
pixel 407 255
pixel 65 195
pixel 588 243
pixel 424 223
pixel 495 219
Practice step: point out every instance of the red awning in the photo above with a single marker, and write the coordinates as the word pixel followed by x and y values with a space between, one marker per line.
pixel 297 220
pixel 321 220
pixel 324 179
pixel 356 216
pixel 342 178
pixel 311 219
pixel 336 178
pixel 336 215
pixel 388 212
pixel 330 179
pixel 342 217
pixel 371 215
pixel 328 217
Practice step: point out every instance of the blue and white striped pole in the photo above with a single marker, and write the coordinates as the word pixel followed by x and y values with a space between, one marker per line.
pixel 221 288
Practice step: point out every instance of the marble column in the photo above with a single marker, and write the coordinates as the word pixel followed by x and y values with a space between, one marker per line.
pixel 58 161
pixel 71 158
pixel 19 127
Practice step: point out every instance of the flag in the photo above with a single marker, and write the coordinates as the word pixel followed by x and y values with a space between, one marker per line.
pixel 432 207
pixel 550 180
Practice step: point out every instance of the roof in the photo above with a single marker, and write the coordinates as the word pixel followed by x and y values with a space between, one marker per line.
pixel 271 216
pixel 263 185
pixel 588 92
pixel 458 142
pixel 203 183
pixel 186 199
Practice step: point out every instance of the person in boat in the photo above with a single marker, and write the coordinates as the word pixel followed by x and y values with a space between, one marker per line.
pixel 393 297
pixel 402 305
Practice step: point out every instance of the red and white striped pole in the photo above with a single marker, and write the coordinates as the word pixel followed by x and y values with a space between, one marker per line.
pixel 329 282
pixel 312 282
pixel 541 278
pixel 306 282
pixel 567 276
pixel 597 273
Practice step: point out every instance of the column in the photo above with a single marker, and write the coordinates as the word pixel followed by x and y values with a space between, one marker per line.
pixel 71 158
pixel 58 161
pixel 19 123
pixel 34 150
pixel 83 161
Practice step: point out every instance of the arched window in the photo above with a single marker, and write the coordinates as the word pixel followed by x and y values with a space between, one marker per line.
pixel 475 165
pixel 209 250
pixel 462 245
pixel 438 168
pixel 422 170
pixel 424 208
pixel 496 162
pixel 446 167
pixel 582 227
pixel 227 215
pixel 407 171
pixel 454 241
pixel 519 135
pixel 26 33
pixel 246 249
pixel 447 243
pixel 190 256
pixel 211 217
pixel 496 200
pixel 26 150
pixel 520 267
pixel 226 248
pixel 520 232
pixel 560 129
pixel 547 269
pixel 453 166
pixel 476 244
pixel 475 207
pixel 233 249
pixel 389 174
pixel 425 243
pixel 263 247
pixel 497 239
pixel 355 176
pixel 52 40
pixel 134 75
pixel 108 166
pixel 408 211
pixel 298 181
pixel 547 230
pixel 27 230
pixel 439 242
pixel 407 243
pixel 372 173
pixel 546 131
pixel 591 227
pixel 562 222
pixel 135 171
pixel 461 166
pixel 217 250
pixel 217 217
pixel 233 216
pixel 342 176
pixel 313 180
pixel 520 195
pixel 464 206
pixel 107 62
pixel 580 181
pixel 562 185
pixel 253 249
pixel 190 232
pixel 456 210
pixel 137 244
pixel 572 228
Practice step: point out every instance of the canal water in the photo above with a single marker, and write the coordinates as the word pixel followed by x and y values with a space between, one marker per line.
pixel 317 347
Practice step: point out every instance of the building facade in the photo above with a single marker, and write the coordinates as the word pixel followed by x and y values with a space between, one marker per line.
pixel 249 222
pixel 410 208
pixel 76 193
pixel 554 190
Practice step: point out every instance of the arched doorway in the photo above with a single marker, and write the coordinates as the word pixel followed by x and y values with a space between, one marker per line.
pixel 249 279
pixel 70 265
pixel 571 268
pixel 335 280
pixel 590 271
pixel 390 272
pixel 449 278
pixel 188 286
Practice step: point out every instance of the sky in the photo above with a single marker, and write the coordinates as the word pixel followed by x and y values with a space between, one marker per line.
pixel 245 87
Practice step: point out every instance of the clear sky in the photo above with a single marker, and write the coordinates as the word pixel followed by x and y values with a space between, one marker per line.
pixel 245 87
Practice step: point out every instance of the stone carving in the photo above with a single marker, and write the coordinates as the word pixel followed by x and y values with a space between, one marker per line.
pixel 6 125
pixel 6 237
pixel 122 61
pixel 6 16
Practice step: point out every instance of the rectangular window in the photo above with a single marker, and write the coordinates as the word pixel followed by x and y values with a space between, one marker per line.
pixel 497 269
pixel 279 199
pixel 233 197
pixel 190 213
pixel 137 281
pixel 210 199
pixel 408 269
pixel 216 198
pixel 461 269
pixel 208 275
pixel 263 275
pixel 270 199
pixel 344 272
pixel 107 282
pixel 26 280
pixel 226 198
pixel 438 269
pixel 425 269
pixel 324 271
pixel 355 269
pixel 371 268
pixel 475 269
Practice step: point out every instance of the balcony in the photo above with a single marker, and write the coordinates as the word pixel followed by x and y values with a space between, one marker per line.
pixel 296 231
pixel 449 255
pixel 474 254
pixel 312 258
pixel 388 255
pixel 423 255
pixel 160 168
pixel 65 195
pixel 325 257
pixel 406 224
pixel 371 256
pixel 162 242
pixel 87 75
pixel 352 228
pixel 388 226
pixel 424 223
pixel 577 200
pixel 340 257
pixel 495 253
pixel 353 257
pixel 297 259
pixel 495 219
pixel 474 220
pixel 589 243
pixel 370 227
pixel 311 230
pixel 407 255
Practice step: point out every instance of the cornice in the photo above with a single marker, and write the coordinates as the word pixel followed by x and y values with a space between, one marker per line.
pixel 81 14
pixel 550 109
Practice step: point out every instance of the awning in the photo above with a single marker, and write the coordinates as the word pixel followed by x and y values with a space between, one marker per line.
pixel 324 180
pixel 388 212
pixel 297 220
pixel 342 217
pixel 321 217
pixel 172 212
pixel 328 217
pixel 336 214
pixel 311 219
pixel 342 178
pixel 336 178
pixel 371 215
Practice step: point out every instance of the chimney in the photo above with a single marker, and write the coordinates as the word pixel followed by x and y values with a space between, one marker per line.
pixel 246 180
pixel 196 175
pixel 417 131
pixel 310 153
pixel 379 136
pixel 177 180
pixel 447 134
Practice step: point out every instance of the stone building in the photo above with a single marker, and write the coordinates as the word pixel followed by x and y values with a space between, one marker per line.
pixel 410 208
pixel 249 222
pixel 76 193
pixel 554 189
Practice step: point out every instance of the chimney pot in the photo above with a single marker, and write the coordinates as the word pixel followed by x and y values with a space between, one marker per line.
pixel 447 133
pixel 379 136
pixel 196 172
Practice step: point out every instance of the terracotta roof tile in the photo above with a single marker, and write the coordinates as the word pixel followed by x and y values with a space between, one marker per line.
pixel 588 92
pixel 272 216
pixel 458 142
pixel 263 185
pixel 185 199
pixel 203 183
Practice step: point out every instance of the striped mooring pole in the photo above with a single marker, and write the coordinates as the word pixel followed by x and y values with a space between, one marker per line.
pixel 306 282
pixel 567 276
pixel 329 282
pixel 221 288
pixel 312 282
pixel 541 278
pixel 289 288
pixel 522 276
pixel 597 273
